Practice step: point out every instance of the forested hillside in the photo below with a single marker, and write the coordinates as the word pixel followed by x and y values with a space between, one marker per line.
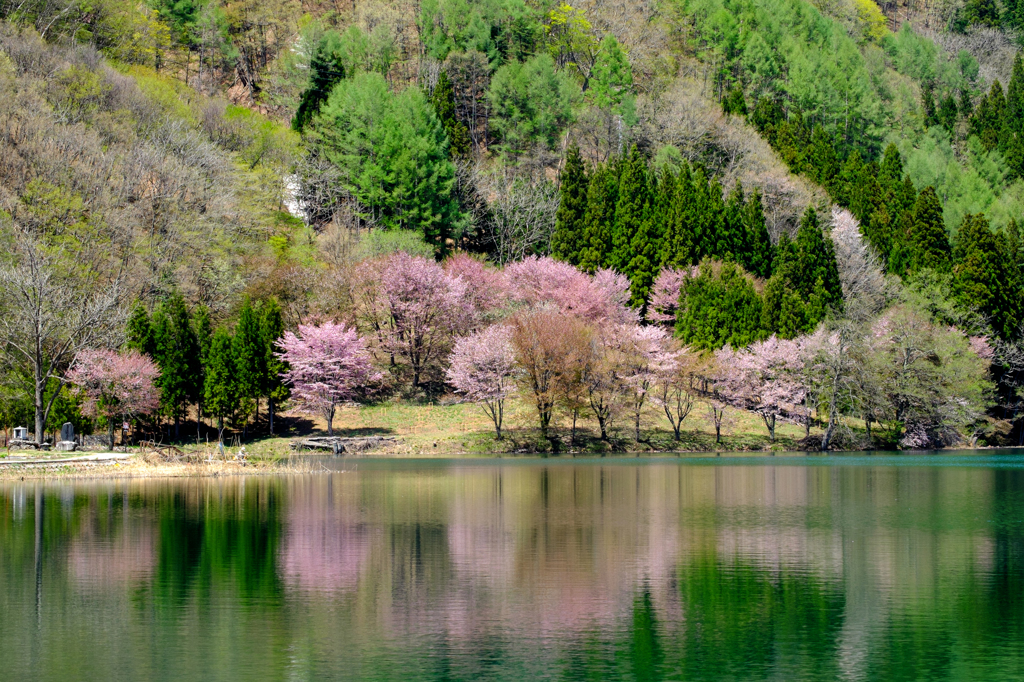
pixel 201 179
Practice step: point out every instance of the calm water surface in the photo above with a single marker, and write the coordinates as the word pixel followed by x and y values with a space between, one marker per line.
pixel 854 568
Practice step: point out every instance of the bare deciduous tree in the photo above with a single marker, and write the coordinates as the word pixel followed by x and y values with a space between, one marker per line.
pixel 54 305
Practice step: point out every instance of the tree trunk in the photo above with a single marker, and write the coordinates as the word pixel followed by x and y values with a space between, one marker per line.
pixel 270 414
pixel 220 430
pixel 330 422
pixel 40 410
pixel 110 431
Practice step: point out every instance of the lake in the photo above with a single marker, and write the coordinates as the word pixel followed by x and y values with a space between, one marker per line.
pixel 866 567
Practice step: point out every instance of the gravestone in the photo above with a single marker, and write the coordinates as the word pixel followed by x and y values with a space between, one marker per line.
pixel 67 438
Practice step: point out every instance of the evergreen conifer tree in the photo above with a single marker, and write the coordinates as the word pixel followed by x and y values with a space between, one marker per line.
pixel 221 394
pixel 443 100
pixel 177 354
pixel 326 68
pixel 632 209
pixel 203 329
pixel 985 277
pixel 757 257
pixel 570 219
pixel 816 262
pixel 271 330
pixel 140 332
pixel 602 196
pixel 677 248
pixel 927 244
pixel 250 356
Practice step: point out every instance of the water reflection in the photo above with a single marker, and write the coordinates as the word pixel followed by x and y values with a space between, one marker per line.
pixel 595 571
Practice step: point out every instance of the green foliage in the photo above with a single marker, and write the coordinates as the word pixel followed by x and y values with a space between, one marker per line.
pixel 986 275
pixel 531 103
pixel 250 354
pixel 392 155
pixel 789 52
pixel 599 217
pixel 177 354
pixel 504 30
pixel 377 243
pixel 567 241
pixel 805 284
pixel 719 306
pixel 271 330
pixel 139 332
pixel 611 80
pixel 443 99
pixel 326 68
pixel 221 395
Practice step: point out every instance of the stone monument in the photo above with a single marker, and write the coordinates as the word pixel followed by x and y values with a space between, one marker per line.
pixel 67 438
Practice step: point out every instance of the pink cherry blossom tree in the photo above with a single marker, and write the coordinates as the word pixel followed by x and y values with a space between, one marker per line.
pixel 485 285
pixel 328 365
pixel 115 385
pixel 546 282
pixel 414 309
pixel 646 357
pixel 665 296
pixel 484 370
pixel 764 378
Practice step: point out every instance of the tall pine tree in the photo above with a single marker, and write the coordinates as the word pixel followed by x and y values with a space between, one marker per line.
pixel 570 220
pixel 632 210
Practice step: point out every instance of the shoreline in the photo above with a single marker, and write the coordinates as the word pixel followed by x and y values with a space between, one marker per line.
pixel 136 466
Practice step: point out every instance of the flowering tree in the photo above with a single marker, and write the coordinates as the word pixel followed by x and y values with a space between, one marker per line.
pixel 674 390
pixel 485 285
pixel 646 357
pixel 544 281
pixel 328 365
pixel 115 385
pixel 483 369
pixel 665 295
pixel 763 378
pixel 414 308
pixel 540 339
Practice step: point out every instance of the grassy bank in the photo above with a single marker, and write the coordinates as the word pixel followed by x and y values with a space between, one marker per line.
pixel 427 430
pixel 463 430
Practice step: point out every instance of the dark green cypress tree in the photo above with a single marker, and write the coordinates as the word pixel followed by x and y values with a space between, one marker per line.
pixel 645 263
pixel 783 312
pixel 221 394
pixel 250 356
pixel 985 277
pixel 846 181
pixel 719 306
pixel 677 247
pixel 177 354
pixel 602 195
pixel 758 243
pixel 928 105
pixel 443 100
pixel 731 241
pixel 927 244
pixel 632 210
pixel 816 260
pixel 820 161
pixel 570 219
pixel 271 331
pixel 706 215
pixel 987 121
pixel 203 330
pixel 326 69
pixel 890 171
pixel 948 114
pixel 139 331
